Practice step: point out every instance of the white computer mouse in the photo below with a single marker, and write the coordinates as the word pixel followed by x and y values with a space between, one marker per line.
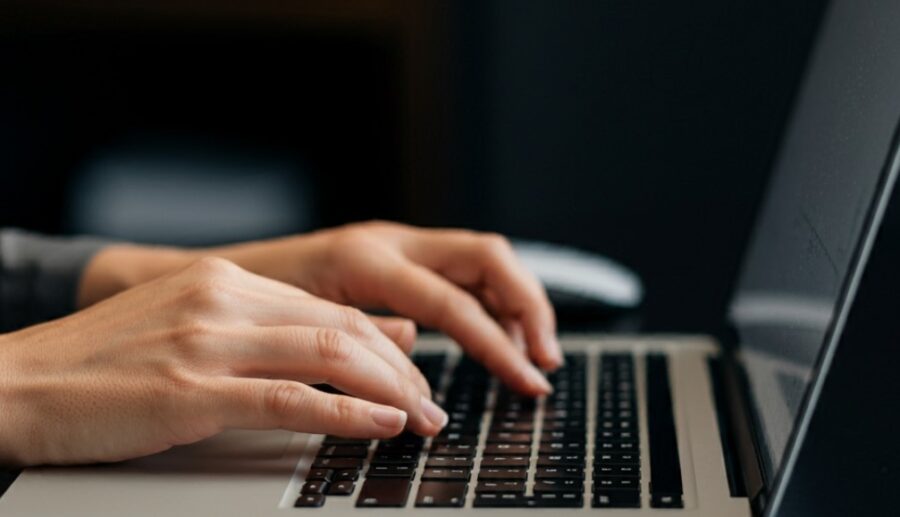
pixel 576 277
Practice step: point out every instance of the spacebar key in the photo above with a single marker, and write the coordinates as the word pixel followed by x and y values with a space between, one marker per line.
pixel 377 492
pixel 665 465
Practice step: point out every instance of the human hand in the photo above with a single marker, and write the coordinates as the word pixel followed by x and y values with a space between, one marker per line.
pixel 192 353
pixel 467 284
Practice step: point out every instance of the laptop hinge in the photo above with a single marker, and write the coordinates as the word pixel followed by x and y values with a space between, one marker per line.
pixel 745 475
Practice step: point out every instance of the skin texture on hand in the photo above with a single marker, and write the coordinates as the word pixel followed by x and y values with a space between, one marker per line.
pixel 469 285
pixel 197 351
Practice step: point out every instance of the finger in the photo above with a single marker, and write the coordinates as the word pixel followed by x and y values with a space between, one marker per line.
pixel 261 301
pixel 278 404
pixel 472 259
pixel 414 291
pixel 334 357
pixel 401 331
pixel 514 330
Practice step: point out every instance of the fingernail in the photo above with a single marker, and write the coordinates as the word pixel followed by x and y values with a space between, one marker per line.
pixel 551 345
pixel 388 417
pixel 537 379
pixel 434 413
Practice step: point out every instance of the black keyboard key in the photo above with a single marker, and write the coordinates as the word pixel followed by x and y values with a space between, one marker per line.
pixel 495 500
pixel 617 499
pixel 665 466
pixel 514 416
pixel 565 425
pixel 319 475
pixel 554 500
pixel 341 488
pixel 543 500
pixel 450 462
pixel 519 474
pixel 343 451
pixel 616 436
pixel 337 440
pixel 455 439
pixel 338 463
pixel 446 474
pixel 616 447
pixel 633 471
pixel 561 448
pixel 507 402
pixel 405 437
pixel 345 475
pixel 505 461
pixel 616 458
pixel 559 473
pixel 560 436
pixel 500 486
pixel 463 427
pixel 509 437
pixel 560 460
pixel 310 501
pixel 507 449
pixel 314 487
pixel 463 416
pixel 395 459
pixel 379 492
pixel 461 449
pixel 438 494
pixel 616 425
pixel 512 426
pixel 603 482
pixel 564 414
pixel 398 448
pixel 558 485
pixel 390 471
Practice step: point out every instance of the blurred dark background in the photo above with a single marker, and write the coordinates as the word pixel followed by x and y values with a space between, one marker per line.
pixel 639 129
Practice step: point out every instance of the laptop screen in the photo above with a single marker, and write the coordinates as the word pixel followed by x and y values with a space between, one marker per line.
pixel 802 254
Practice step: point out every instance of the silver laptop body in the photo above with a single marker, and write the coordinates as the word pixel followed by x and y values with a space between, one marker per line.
pixel 734 435
pixel 262 473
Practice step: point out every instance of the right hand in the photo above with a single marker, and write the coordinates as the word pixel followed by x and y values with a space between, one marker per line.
pixel 193 353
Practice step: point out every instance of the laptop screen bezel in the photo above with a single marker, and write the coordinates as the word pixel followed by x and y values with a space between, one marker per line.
pixel 774 483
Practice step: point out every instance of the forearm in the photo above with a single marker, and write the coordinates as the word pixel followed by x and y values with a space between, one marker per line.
pixel 122 266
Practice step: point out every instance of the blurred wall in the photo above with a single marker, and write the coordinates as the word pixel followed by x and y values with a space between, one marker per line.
pixel 642 130
pixel 639 129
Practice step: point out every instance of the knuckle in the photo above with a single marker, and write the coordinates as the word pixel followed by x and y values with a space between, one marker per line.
pixel 343 409
pixel 190 333
pixel 333 345
pixel 214 266
pixel 401 386
pixel 414 373
pixel 496 245
pixel 284 398
pixel 351 240
pixel 208 292
pixel 354 321
pixel 176 385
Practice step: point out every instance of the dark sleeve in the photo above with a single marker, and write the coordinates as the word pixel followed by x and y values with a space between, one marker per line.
pixel 39 276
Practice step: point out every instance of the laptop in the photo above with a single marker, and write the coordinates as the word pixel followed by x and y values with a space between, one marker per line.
pixel 637 424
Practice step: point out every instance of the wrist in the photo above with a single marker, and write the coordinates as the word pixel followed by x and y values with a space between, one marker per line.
pixel 292 260
pixel 122 266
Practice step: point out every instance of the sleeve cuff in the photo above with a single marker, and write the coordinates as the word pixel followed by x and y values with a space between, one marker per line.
pixel 39 276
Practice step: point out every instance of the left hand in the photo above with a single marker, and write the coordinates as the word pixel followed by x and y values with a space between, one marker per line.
pixel 469 285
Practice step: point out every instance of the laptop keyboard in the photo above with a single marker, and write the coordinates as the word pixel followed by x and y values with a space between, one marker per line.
pixel 523 453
